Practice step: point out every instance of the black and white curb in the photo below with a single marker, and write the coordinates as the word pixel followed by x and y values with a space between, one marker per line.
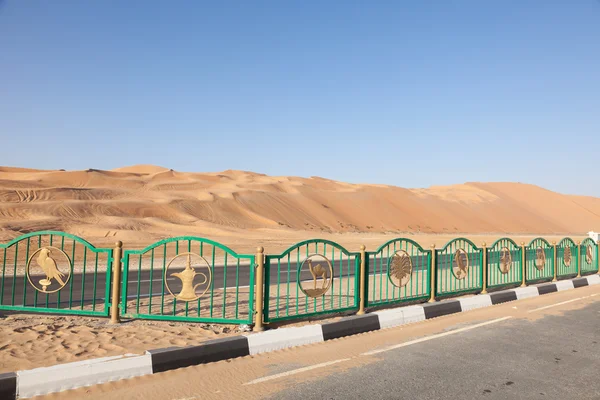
pixel 39 381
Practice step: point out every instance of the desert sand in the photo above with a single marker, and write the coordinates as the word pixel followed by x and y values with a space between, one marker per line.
pixel 142 204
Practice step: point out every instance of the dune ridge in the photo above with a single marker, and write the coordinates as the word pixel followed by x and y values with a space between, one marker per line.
pixel 145 202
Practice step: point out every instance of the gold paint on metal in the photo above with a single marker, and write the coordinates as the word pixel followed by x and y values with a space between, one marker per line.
pixel 363 262
pixel 49 266
pixel 400 268
pixel 589 254
pixel 540 258
pixel 116 269
pixel 318 272
pixel 505 260
pixel 461 267
pixel 260 266
pixel 187 278
pixel 567 256
pixel 433 273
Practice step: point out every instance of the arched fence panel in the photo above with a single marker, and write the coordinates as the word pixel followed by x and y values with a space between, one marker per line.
pixel 539 260
pixel 400 270
pixel 459 268
pixel 588 256
pixel 55 272
pixel 504 263
pixel 310 278
pixel 190 279
pixel 567 258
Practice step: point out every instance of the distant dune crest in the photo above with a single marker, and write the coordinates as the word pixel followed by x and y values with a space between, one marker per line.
pixel 148 201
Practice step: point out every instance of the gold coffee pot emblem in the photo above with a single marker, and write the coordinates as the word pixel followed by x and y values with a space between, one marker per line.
pixel 189 277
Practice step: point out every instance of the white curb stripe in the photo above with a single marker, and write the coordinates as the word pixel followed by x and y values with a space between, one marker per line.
pixel 593 279
pixel 479 301
pixel 564 285
pixel 526 292
pixel 284 338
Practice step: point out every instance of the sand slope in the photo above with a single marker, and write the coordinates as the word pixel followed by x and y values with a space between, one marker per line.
pixel 142 203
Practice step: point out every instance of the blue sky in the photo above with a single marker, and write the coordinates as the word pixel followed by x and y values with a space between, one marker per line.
pixel 405 93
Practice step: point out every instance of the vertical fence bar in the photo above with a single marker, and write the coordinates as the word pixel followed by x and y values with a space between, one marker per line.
pixel 260 263
pixel 523 266
pixel 432 273
pixel 116 266
pixel 484 268
pixel 555 259
pixel 361 305
pixel 579 259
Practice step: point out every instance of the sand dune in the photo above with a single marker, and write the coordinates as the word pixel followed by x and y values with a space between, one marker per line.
pixel 142 203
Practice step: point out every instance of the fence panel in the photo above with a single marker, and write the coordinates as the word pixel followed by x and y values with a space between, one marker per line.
pixel 567 258
pixel 459 268
pixel 55 272
pixel 588 257
pixel 310 278
pixel 504 263
pixel 188 279
pixel 539 260
pixel 399 270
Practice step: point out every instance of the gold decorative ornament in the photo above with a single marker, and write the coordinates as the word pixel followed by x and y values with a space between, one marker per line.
pixel 505 260
pixel 189 290
pixel 46 261
pixel 540 258
pixel 567 257
pixel 400 268
pixel 322 271
pixel 460 269
pixel 589 254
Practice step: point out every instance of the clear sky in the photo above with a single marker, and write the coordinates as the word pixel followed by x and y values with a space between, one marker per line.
pixel 408 93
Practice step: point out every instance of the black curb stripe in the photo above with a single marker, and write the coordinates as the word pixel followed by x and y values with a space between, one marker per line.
pixel 444 308
pixel 503 297
pixel 351 326
pixel 580 282
pixel 213 350
pixel 545 289
pixel 8 386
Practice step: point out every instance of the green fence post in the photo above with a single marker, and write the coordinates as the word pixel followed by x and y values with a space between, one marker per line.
pixel 260 266
pixel 523 266
pixel 484 287
pixel 579 259
pixel 432 275
pixel 555 259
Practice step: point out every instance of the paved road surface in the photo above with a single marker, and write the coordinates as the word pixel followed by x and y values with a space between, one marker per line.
pixel 541 348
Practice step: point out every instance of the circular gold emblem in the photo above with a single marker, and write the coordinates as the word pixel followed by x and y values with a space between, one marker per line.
pixel 505 260
pixel 184 275
pixel 460 269
pixel 567 256
pixel 589 254
pixel 53 264
pixel 400 268
pixel 540 258
pixel 321 271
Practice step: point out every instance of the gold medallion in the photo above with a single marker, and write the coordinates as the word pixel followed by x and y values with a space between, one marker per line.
pixel 47 262
pixel 540 258
pixel 505 260
pixel 321 270
pixel 589 254
pixel 567 256
pixel 400 268
pixel 460 269
pixel 194 283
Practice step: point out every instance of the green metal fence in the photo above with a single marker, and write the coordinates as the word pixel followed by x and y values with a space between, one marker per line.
pixel 504 263
pixel 459 268
pixel 399 270
pixel 588 256
pixel 55 272
pixel 567 258
pixel 539 260
pixel 189 279
pixel 310 278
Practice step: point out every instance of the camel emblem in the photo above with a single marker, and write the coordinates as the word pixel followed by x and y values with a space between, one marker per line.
pixel 322 270
pixel 187 277
pixel 461 267
pixel 48 265
pixel 540 258
pixel 505 260
pixel 400 268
